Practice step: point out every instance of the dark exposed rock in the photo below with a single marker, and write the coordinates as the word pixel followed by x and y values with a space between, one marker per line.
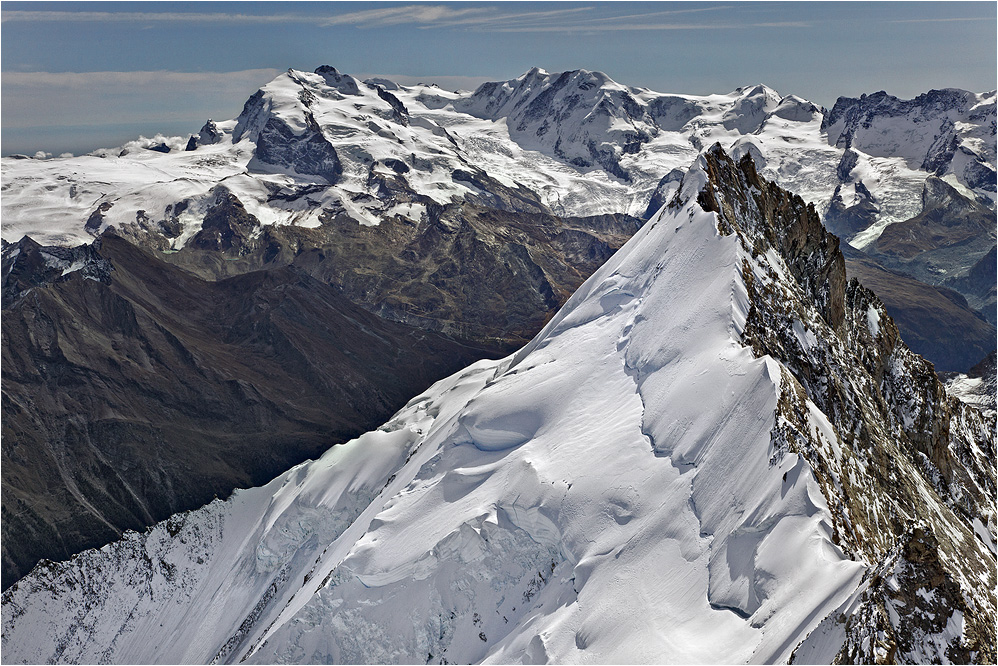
pixel 947 244
pixel 948 219
pixel 344 83
pixel 159 148
pixel 909 607
pixel 401 113
pixel 96 219
pixel 848 219
pixel 149 391
pixel 208 136
pixel 308 153
pixel 926 457
pixel 493 194
pixel 856 111
pixel 941 151
pixel 467 270
pixel 937 109
pixel 850 158
pixel 980 175
pixel 397 166
pixel 27 265
pixel 791 226
pixel 226 223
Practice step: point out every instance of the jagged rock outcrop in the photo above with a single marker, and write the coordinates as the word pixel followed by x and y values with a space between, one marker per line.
pixel 891 414
pixel 941 131
pixel 209 135
pixel 846 219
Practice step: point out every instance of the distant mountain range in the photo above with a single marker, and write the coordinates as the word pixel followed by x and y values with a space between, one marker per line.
pixel 910 183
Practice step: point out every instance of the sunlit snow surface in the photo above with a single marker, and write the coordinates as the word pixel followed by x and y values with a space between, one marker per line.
pixel 51 200
pixel 608 495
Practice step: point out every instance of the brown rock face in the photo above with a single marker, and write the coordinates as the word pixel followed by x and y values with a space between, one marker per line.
pixel 133 389
pixel 912 481
pixel 473 272
pixel 738 194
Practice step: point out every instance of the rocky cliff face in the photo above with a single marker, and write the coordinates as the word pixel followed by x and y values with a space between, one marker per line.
pixel 892 418
pixel 941 131
pixel 133 390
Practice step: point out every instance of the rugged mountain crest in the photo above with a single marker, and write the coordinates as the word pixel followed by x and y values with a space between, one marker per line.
pixel 752 449
pixel 890 411
pixel 946 131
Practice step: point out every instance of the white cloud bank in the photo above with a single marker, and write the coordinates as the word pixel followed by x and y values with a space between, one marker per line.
pixel 33 99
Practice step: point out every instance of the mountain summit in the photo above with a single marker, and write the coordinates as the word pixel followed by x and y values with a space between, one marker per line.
pixel 717 435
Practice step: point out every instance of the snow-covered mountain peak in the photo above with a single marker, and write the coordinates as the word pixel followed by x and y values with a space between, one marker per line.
pixel 345 83
pixel 715 436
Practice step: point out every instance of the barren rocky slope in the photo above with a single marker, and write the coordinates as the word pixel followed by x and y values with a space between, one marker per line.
pixel 133 389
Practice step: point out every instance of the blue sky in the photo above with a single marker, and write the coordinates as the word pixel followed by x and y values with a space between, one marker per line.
pixel 81 75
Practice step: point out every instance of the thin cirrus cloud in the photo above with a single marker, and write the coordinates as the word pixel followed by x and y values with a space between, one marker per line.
pixel 945 19
pixel 619 27
pixel 370 17
pixel 477 17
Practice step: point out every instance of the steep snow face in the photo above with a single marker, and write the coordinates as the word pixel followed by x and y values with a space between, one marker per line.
pixel 636 478
pixel 309 146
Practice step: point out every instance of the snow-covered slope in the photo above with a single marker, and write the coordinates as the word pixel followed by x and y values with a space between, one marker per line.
pixel 709 455
pixel 313 145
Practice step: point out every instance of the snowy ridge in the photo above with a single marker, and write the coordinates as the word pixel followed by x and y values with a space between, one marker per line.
pixel 313 145
pixel 639 476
